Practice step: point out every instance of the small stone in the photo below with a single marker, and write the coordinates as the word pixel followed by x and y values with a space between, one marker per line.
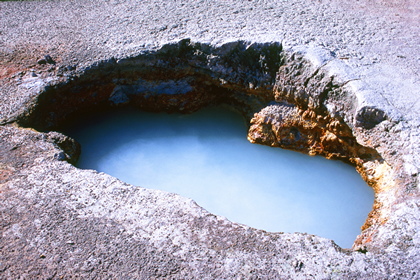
pixel 42 61
pixel 49 59
pixel 60 156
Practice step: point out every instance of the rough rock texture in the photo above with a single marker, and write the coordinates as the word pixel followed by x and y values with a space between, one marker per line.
pixel 342 83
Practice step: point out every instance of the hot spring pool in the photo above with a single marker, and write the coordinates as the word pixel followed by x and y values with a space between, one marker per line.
pixel 206 156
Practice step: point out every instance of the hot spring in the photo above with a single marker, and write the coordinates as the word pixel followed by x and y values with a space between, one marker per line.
pixel 206 156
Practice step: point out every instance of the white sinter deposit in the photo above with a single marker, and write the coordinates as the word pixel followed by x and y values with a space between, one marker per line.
pixel 347 86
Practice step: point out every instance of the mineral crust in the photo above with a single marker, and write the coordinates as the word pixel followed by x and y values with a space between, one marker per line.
pixel 321 77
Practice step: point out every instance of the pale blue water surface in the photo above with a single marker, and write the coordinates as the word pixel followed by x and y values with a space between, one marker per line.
pixel 206 156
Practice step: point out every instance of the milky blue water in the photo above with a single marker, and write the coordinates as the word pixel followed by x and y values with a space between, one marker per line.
pixel 206 156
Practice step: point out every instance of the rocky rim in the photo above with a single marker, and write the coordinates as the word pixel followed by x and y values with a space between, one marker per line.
pixel 342 83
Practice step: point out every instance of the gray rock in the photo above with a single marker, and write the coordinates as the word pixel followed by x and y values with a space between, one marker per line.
pixel 350 69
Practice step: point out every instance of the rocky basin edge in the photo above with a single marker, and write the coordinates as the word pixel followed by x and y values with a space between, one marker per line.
pixel 58 220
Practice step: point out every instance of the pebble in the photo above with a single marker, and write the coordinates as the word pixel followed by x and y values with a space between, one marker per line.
pixel 47 59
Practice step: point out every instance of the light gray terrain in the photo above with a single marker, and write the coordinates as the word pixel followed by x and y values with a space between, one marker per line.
pixel 60 222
